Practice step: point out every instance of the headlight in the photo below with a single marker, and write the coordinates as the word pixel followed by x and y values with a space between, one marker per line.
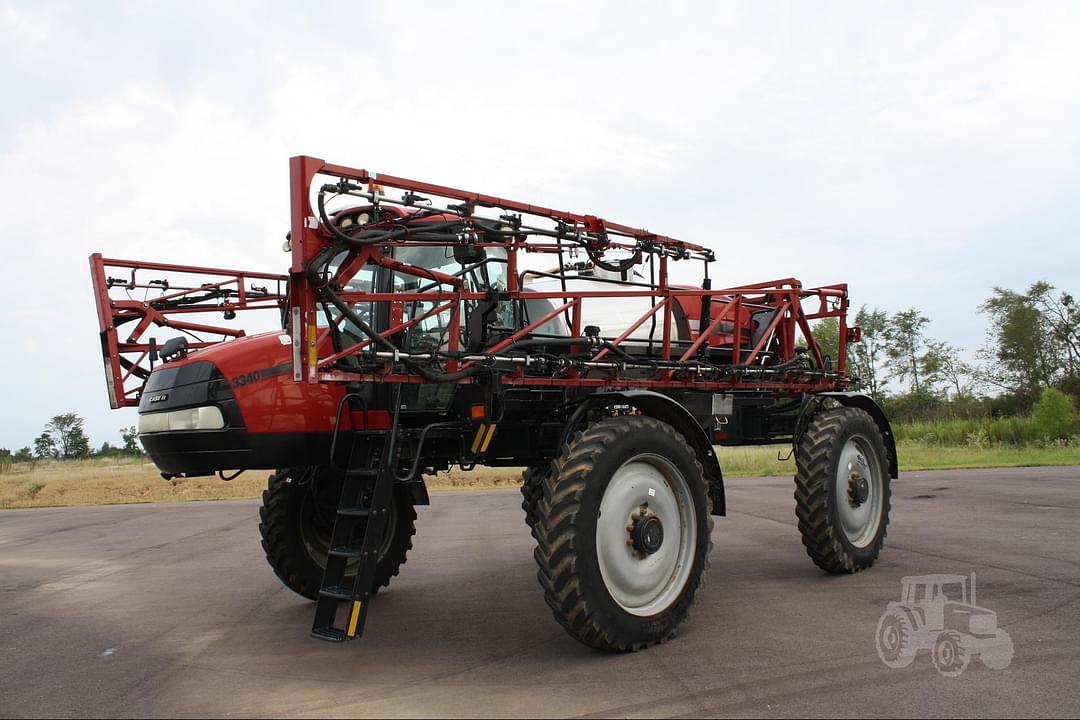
pixel 198 418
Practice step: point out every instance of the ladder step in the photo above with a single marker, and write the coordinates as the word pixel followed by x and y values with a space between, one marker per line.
pixel 337 593
pixel 354 511
pixel 329 634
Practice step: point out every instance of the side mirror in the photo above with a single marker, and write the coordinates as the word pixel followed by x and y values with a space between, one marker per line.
pixel 469 254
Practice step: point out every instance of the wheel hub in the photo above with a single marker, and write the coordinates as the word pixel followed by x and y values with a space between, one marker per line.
pixel 892 638
pixel 858 489
pixel 646 532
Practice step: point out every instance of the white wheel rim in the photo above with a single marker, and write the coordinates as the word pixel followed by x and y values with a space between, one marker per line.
pixel 858 520
pixel 645 585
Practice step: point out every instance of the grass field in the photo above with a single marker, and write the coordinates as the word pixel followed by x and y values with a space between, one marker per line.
pixel 110 481
pixel 134 480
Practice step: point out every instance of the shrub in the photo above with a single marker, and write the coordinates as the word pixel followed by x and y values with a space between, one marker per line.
pixel 1054 415
pixel 981 432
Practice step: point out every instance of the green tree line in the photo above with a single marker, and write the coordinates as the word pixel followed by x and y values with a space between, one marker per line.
pixel 64 438
pixel 1029 363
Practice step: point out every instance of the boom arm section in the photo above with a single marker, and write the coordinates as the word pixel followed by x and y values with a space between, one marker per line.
pixel 134 297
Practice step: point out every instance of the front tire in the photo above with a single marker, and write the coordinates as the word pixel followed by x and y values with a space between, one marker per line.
pixel 842 492
pixel 296 519
pixel 623 533
pixel 950 654
pixel 532 490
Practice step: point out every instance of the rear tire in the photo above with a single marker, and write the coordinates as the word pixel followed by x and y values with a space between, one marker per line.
pixel 296 518
pixel 894 640
pixel 610 576
pixel 842 493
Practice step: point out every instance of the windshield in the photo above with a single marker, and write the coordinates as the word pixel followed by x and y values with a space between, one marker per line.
pixel 489 273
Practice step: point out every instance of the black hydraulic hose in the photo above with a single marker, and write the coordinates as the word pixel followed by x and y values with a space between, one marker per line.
pixel 315 275
pixel 389 346
pixel 333 228
pixel 562 282
pixel 615 349
pixel 382 342
pixel 619 267
pixel 375 337
pixel 139 372
pixel 438 377
pixel 539 342
pixel 652 299
pixel 779 367
pixel 348 312
pixel 428 234
pixel 420 448
pixel 610 281
pixel 460 273
pixel 371 237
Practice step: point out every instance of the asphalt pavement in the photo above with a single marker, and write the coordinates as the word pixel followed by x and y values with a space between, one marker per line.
pixel 171 610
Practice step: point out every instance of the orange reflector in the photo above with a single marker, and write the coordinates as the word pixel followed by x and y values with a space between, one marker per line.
pixel 478 412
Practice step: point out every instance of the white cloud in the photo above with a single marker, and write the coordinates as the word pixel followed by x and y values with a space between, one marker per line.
pixel 26 33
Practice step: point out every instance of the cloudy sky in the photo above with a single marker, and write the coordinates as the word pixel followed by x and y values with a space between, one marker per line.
pixel 923 153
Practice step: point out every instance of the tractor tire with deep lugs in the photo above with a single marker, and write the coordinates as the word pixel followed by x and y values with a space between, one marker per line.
pixel 842 491
pixel 532 489
pixel 296 519
pixel 610 576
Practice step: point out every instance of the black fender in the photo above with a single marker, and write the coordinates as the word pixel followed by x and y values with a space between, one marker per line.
pixel 670 411
pixel 916 617
pixel 865 402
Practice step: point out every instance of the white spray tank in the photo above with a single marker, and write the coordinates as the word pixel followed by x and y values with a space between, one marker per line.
pixel 612 315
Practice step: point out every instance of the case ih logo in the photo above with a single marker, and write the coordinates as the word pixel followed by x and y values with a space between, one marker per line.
pixel 938 613
pixel 159 398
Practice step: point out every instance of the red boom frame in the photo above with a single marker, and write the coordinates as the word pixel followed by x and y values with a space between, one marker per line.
pixel 786 297
pixel 128 359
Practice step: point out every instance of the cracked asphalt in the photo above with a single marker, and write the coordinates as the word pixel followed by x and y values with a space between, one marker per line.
pixel 170 610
